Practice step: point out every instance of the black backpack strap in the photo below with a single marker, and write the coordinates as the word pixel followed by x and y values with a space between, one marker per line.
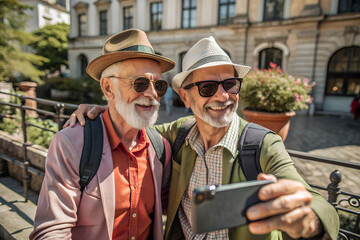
pixel 157 143
pixel 180 138
pixel 249 148
pixel 91 152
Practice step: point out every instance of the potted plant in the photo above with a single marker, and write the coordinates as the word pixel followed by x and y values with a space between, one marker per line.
pixel 272 97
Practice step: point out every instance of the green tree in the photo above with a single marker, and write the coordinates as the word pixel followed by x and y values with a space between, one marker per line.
pixel 52 43
pixel 13 59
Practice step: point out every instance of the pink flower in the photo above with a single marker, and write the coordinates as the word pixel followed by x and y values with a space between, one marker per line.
pixel 306 80
pixel 297 97
pixel 309 99
pixel 272 65
pixel 262 98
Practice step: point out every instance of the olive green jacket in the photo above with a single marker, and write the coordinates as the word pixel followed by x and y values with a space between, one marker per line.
pixel 274 159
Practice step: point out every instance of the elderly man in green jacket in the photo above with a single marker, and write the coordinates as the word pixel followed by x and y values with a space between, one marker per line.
pixel 209 84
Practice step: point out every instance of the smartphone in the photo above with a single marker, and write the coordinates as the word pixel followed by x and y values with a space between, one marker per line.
pixel 221 207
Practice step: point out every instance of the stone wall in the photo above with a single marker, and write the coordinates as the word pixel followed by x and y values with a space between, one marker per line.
pixel 12 146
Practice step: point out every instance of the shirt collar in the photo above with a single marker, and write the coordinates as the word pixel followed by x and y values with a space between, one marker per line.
pixel 115 140
pixel 229 141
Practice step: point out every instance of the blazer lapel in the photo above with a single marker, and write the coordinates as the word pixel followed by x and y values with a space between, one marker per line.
pixel 179 182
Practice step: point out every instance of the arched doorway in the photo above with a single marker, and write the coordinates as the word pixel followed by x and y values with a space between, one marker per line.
pixel 343 73
pixel 268 55
pixel 342 79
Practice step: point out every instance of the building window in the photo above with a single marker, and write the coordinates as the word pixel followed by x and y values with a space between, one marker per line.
pixel 268 55
pixel 103 22
pixel 128 17
pixel 188 14
pixel 273 9
pixel 83 62
pixel 82 19
pixel 349 6
pixel 226 11
pixel 156 9
pixel 343 75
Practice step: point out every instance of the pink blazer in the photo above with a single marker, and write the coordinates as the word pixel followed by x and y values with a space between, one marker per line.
pixel 62 214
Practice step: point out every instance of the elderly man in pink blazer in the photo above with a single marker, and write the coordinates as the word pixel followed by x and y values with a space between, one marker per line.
pixel 124 199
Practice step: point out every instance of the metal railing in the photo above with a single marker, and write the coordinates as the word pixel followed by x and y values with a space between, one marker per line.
pixel 335 195
pixel 58 115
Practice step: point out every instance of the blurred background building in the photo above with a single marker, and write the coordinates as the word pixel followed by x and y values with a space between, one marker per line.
pixel 46 12
pixel 317 39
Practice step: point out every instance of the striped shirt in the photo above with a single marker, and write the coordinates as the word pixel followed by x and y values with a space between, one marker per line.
pixel 207 171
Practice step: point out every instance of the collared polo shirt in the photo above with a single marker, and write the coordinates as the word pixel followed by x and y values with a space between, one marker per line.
pixel 134 186
pixel 207 171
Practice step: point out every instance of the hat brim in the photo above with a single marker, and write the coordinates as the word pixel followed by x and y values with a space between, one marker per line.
pixel 99 64
pixel 179 78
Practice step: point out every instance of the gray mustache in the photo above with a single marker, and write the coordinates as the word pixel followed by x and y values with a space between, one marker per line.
pixel 220 104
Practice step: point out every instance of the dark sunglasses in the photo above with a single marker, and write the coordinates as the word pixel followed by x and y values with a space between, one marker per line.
pixel 209 88
pixel 141 84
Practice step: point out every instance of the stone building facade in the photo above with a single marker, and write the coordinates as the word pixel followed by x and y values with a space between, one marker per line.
pixel 45 12
pixel 317 39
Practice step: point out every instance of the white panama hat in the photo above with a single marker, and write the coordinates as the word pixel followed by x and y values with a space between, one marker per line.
pixel 205 53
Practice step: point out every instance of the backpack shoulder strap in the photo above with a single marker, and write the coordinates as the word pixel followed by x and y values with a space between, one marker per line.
pixel 91 152
pixel 157 143
pixel 180 138
pixel 249 148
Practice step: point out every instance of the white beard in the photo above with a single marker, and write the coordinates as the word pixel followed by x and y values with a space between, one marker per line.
pixel 218 122
pixel 132 116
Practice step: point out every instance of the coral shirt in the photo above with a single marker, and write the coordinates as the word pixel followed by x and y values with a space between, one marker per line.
pixel 134 186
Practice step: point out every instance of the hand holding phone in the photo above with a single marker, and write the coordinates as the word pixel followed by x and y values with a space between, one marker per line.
pixel 220 207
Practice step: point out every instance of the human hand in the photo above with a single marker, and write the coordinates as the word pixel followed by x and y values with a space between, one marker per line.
pixel 89 110
pixel 286 207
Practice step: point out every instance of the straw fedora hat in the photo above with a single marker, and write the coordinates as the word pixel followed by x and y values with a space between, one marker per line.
pixel 131 43
pixel 205 53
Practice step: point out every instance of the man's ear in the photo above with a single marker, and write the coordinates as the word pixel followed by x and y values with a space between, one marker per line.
pixel 184 95
pixel 107 88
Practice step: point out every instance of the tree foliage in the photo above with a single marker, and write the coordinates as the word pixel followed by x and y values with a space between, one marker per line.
pixel 52 43
pixel 13 59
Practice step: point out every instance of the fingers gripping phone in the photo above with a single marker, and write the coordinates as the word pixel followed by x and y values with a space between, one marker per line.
pixel 220 207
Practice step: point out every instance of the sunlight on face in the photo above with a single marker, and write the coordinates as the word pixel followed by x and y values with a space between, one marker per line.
pixel 133 117
pixel 217 110
pixel 215 121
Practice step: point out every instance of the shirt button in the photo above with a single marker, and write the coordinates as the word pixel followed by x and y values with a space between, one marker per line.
pixel 134 215
pixel 132 238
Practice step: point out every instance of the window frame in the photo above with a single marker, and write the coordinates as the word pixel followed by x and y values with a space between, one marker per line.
pixel 190 9
pixel 349 7
pixel 83 62
pixel 103 22
pixel 127 19
pixel 82 26
pixel 158 15
pixel 228 4
pixel 274 15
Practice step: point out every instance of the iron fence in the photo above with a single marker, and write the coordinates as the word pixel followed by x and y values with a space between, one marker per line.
pixel 336 196
pixel 58 115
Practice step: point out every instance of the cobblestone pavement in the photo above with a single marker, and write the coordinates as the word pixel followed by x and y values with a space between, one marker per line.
pixel 329 136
